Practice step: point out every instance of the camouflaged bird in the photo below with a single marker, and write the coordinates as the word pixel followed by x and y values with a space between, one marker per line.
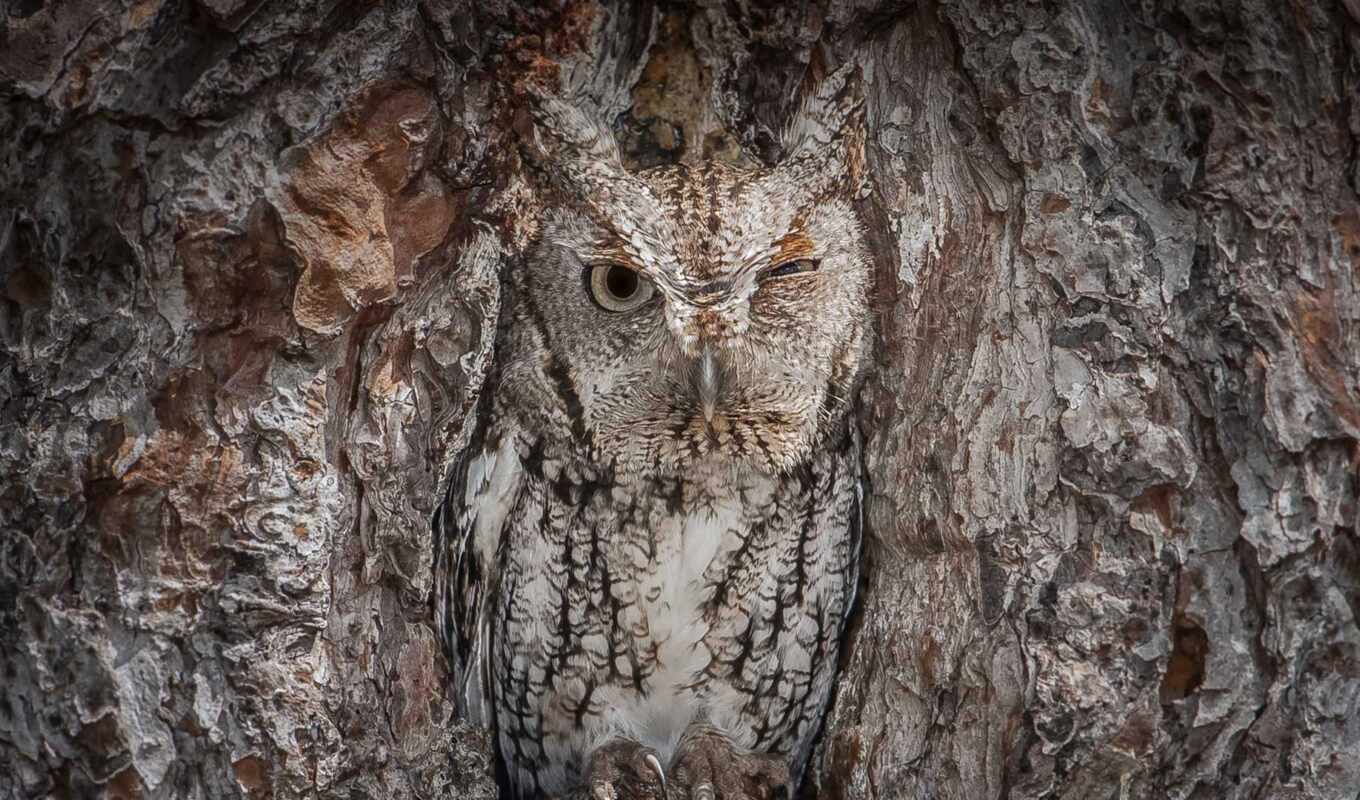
pixel 649 549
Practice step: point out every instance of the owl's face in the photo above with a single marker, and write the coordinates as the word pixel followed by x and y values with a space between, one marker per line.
pixel 689 317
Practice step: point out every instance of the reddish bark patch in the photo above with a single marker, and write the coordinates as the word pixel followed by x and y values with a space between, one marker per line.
pixel 926 660
pixel 1317 324
pixel 1103 106
pixel 1348 227
pixel 170 498
pixel 252 775
pixel 419 678
pixel 847 753
pixel 239 281
pixel 104 745
pixel 571 33
pixel 1054 203
pixel 1189 651
pixel 126 785
pixel 535 56
pixel 358 208
pixel 1162 501
pixel 1137 736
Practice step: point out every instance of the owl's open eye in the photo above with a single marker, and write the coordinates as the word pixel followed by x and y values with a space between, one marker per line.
pixel 617 288
pixel 797 267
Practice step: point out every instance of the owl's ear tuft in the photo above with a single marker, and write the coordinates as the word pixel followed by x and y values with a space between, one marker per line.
pixel 567 143
pixel 828 130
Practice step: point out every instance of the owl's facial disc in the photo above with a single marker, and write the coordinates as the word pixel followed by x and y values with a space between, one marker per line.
pixel 695 318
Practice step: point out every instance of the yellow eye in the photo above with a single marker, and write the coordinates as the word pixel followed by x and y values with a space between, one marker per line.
pixel 618 288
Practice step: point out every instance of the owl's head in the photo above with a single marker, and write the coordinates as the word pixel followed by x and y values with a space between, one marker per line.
pixel 687 317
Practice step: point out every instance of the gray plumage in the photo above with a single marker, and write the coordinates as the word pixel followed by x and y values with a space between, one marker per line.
pixel 654 530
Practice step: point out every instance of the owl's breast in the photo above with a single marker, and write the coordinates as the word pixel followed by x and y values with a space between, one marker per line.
pixel 639 609
pixel 695 553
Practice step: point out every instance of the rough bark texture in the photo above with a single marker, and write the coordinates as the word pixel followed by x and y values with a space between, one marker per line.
pixel 249 256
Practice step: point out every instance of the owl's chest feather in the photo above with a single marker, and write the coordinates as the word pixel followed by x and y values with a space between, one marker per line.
pixel 638 608
pixel 639 592
pixel 675 594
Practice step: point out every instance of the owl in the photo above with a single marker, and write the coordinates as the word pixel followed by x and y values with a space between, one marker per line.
pixel 649 549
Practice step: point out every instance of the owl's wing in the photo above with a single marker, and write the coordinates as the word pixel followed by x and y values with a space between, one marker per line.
pixel 470 531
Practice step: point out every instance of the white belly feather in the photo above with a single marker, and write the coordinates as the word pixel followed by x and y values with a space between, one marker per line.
pixel 672 596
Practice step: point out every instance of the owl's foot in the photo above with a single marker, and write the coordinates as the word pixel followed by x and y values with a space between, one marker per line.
pixel 708 766
pixel 622 769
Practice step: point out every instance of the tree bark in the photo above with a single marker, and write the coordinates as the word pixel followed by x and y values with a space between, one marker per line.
pixel 250 258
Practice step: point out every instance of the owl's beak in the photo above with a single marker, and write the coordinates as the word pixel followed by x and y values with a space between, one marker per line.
pixel 708 381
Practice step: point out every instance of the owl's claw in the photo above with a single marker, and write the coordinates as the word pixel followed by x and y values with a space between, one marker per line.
pixel 622 769
pixel 655 763
pixel 711 767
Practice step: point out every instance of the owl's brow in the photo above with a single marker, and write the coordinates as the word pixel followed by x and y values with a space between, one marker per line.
pixel 615 249
pixel 793 246
pixel 618 249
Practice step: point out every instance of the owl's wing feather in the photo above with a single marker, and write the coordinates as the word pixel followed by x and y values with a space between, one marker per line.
pixel 471 530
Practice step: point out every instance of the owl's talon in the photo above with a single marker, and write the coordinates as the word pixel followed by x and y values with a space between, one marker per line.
pixel 622 769
pixel 712 767
pixel 655 763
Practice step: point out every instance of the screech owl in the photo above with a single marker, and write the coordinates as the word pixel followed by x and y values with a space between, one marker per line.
pixel 649 549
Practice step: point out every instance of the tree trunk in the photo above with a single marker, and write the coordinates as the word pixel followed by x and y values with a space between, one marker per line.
pixel 249 255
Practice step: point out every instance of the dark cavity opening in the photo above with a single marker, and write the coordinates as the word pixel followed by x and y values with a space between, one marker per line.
pixel 1185 668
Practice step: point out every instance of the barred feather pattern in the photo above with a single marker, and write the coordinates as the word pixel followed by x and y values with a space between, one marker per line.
pixel 655 526
pixel 641 605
